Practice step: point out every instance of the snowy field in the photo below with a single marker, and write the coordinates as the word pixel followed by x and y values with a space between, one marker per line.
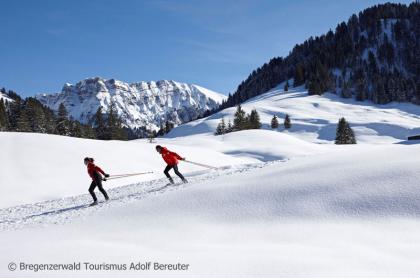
pixel 281 204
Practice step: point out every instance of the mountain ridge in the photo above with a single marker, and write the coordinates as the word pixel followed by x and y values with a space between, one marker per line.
pixel 375 55
pixel 141 105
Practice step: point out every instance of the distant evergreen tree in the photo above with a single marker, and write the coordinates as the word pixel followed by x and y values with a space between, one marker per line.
pixel 161 130
pixel 274 122
pixel 63 125
pixel 345 134
pixel 287 122
pixel 346 92
pixel 254 120
pixel 13 114
pixel 299 77
pixel 314 88
pixel 100 126
pixel 286 86
pixel 75 129
pixel 4 123
pixel 23 122
pixel 229 127
pixel 221 127
pixel 114 128
pixel 152 136
pixel 168 126
pixel 34 111
pixel 88 132
pixel 239 120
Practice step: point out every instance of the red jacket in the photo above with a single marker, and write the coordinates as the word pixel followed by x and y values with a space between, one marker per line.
pixel 170 158
pixel 93 170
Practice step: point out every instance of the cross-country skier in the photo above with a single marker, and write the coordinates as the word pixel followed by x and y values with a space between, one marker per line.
pixel 95 173
pixel 171 159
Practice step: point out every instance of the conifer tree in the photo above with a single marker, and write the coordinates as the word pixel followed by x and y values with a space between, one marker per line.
pixel 314 88
pixel 63 126
pixel 240 120
pixel 100 127
pixel 286 86
pixel 23 124
pixel 88 132
pixel 229 127
pixel 299 77
pixel 254 120
pixel 345 134
pixel 161 130
pixel 75 129
pixel 114 128
pixel 152 136
pixel 221 127
pixel 168 126
pixel 4 123
pixel 274 122
pixel 13 114
pixel 35 114
pixel 287 122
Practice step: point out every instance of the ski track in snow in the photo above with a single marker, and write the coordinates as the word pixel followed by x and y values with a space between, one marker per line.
pixel 64 210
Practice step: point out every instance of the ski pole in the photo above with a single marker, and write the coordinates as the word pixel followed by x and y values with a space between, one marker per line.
pixel 199 164
pixel 130 174
pixel 113 177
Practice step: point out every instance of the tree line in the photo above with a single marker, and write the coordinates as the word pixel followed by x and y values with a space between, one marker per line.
pixel 241 121
pixel 30 115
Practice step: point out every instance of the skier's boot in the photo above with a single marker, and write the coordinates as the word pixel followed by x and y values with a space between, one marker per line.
pixel 106 198
pixel 171 182
pixel 184 181
pixel 94 203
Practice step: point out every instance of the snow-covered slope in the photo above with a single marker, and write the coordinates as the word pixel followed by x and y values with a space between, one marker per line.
pixel 281 203
pixel 140 105
pixel 314 118
pixel 348 213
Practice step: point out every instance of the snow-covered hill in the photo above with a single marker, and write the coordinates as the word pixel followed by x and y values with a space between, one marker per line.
pixel 314 118
pixel 280 204
pixel 140 105
pixel 350 212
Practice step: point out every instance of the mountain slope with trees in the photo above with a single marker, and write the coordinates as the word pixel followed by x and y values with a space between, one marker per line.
pixel 375 55
pixel 30 115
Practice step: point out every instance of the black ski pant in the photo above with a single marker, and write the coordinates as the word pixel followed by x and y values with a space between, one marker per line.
pixel 97 183
pixel 168 168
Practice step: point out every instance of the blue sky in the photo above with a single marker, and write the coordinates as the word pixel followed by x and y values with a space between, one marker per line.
pixel 215 44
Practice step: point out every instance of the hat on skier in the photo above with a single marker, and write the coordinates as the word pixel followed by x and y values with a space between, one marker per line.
pixel 88 159
pixel 158 147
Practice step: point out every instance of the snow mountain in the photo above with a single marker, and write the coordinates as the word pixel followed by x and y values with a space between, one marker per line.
pixel 373 56
pixel 140 105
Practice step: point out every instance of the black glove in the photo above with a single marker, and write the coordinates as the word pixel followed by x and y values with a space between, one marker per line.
pixel 106 175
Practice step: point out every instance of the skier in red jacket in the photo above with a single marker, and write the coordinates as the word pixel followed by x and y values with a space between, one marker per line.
pixel 95 173
pixel 171 159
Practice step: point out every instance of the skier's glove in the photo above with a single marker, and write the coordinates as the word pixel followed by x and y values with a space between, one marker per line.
pixel 106 175
pixel 183 158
